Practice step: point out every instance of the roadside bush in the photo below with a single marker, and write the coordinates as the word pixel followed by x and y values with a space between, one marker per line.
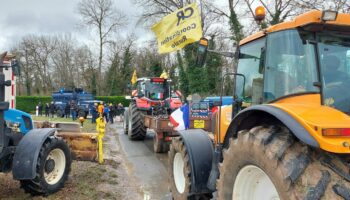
pixel 28 103
pixel 114 100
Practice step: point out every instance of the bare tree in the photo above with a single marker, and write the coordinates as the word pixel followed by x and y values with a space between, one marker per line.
pixel 338 5
pixel 104 18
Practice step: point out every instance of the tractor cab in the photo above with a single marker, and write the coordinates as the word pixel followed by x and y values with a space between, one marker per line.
pixel 152 94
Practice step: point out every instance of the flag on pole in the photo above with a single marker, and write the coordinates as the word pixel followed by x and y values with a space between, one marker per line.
pixel 164 75
pixel 180 118
pixel 134 77
pixel 178 29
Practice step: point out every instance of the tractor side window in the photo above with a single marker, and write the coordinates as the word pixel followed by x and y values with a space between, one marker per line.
pixel 290 65
pixel 248 65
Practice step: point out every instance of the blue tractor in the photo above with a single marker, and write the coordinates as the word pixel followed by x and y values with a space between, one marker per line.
pixel 78 95
pixel 39 159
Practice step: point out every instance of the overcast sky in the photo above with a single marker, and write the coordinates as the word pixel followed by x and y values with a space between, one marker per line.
pixel 21 17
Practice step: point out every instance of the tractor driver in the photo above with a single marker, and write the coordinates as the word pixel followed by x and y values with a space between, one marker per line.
pixel 337 83
pixel 331 73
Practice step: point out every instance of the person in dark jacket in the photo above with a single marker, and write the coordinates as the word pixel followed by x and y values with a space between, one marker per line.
pixel 52 110
pixel 67 110
pixel 40 108
pixel 73 110
pixel 111 113
pixel 47 110
pixel 94 113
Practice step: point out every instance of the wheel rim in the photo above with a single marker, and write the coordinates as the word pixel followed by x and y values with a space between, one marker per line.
pixel 55 165
pixel 179 176
pixel 253 183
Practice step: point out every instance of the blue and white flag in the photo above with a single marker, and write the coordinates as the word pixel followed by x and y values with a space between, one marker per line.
pixel 180 118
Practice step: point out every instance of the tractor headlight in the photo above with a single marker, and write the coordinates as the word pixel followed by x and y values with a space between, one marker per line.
pixel 329 15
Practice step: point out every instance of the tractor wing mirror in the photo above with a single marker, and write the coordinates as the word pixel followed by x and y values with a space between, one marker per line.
pixel 202 52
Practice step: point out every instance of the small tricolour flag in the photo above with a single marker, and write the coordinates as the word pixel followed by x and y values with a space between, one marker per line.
pixel 180 118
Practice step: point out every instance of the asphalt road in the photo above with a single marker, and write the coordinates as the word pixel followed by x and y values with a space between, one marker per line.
pixel 149 168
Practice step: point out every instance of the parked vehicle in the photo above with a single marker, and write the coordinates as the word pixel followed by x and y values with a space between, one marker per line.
pixel 287 133
pixel 39 159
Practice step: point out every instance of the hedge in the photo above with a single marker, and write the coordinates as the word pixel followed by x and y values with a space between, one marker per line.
pixel 28 103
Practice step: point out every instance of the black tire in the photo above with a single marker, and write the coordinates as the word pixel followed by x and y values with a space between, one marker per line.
pixel 295 169
pixel 178 146
pixel 39 185
pixel 136 128
pixel 158 144
pixel 126 121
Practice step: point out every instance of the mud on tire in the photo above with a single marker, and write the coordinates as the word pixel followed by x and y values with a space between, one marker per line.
pixel 43 184
pixel 296 170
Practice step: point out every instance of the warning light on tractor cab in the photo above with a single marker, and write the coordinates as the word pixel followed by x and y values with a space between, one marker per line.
pixel 345 132
pixel 203 41
pixel 159 80
pixel 259 13
pixel 329 15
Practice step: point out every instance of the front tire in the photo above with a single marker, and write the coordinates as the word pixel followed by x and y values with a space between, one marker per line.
pixel 270 163
pixel 52 170
pixel 179 170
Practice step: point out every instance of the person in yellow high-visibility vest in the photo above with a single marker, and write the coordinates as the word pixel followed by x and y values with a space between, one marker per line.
pixel 100 128
pixel 100 109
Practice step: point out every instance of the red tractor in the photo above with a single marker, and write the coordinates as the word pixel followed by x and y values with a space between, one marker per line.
pixel 152 102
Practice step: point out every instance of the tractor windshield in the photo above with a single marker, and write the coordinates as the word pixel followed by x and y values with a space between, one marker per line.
pixel 155 90
pixel 334 55
pixel 290 66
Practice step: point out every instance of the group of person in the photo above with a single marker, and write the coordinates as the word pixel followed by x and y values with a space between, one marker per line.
pixel 49 109
pixel 107 111
pixel 70 110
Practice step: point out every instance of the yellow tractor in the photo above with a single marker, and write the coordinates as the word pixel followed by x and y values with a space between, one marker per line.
pixel 287 134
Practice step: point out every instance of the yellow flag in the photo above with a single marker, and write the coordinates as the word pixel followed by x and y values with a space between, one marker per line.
pixel 178 29
pixel 134 77
pixel 164 75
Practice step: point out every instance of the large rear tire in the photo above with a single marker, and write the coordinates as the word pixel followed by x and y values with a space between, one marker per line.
pixel 136 128
pixel 270 163
pixel 126 122
pixel 53 167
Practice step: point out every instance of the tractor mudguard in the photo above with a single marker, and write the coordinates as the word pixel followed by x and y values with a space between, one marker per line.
pixel 292 124
pixel 200 152
pixel 27 152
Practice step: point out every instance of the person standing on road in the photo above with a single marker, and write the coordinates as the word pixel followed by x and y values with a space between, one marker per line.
pixel 67 110
pixel 94 113
pixel 106 113
pixel 47 109
pixel 100 109
pixel 52 109
pixel 121 112
pixel 73 110
pixel 40 108
pixel 111 112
